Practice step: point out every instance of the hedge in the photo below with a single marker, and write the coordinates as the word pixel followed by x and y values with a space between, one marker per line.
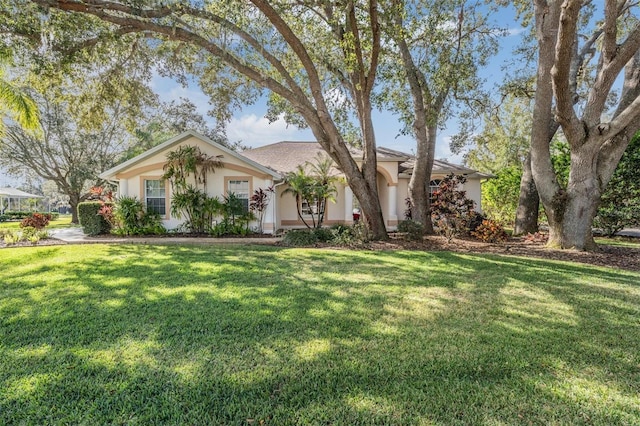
pixel 92 223
pixel 13 215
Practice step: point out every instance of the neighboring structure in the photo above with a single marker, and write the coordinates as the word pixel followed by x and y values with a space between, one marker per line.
pixel 266 166
pixel 12 199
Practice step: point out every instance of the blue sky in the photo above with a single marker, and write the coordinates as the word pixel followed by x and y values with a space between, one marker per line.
pixel 251 128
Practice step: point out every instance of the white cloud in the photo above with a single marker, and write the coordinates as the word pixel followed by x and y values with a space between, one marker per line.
pixel 444 153
pixel 170 90
pixel 256 131
pixel 515 31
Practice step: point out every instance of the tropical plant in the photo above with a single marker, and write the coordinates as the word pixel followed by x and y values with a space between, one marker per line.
pixel 190 199
pixel 14 101
pixel 313 189
pixel 36 221
pixel 490 231
pixel 451 210
pixel 190 160
pixel 259 202
pixel 235 217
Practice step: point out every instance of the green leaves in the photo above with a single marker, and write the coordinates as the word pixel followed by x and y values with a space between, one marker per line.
pixel 313 189
pixel 17 105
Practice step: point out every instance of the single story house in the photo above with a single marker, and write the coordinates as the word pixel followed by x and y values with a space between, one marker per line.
pixel 263 167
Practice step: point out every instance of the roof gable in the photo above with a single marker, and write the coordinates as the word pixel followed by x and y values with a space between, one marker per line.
pixel 111 173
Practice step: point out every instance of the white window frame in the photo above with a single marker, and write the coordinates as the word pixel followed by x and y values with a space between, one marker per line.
pixel 240 193
pixel 163 186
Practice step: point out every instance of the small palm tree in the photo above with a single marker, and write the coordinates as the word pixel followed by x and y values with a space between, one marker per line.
pixel 315 188
pixel 299 183
pixel 189 199
pixel 324 188
pixel 187 160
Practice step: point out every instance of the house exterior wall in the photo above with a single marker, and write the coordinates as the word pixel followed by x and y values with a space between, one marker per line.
pixel 282 210
pixel 131 181
pixel 472 186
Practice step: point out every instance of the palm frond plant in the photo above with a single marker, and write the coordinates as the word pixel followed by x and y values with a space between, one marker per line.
pixel 189 199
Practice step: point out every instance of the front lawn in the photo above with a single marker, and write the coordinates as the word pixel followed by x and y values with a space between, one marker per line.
pixel 248 335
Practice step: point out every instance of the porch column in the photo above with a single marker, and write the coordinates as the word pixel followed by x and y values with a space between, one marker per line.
pixel 269 225
pixel 123 188
pixel 392 206
pixel 348 204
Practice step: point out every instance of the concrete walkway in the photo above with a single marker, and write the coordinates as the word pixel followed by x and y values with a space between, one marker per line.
pixel 76 236
pixel 631 232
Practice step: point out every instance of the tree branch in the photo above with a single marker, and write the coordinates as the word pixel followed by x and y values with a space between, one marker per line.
pixel 560 72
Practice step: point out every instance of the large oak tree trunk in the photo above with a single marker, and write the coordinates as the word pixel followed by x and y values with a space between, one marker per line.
pixel 367 193
pixel 420 178
pixel 580 203
pixel 528 203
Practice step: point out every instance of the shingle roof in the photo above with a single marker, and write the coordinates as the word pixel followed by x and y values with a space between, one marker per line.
pixel 284 157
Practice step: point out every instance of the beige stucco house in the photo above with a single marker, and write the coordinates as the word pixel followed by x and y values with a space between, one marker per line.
pixel 263 167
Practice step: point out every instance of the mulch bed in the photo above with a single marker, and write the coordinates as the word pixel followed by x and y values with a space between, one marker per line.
pixel 627 258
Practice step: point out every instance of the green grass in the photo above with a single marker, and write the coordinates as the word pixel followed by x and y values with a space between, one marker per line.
pixel 630 242
pixel 64 221
pixel 200 335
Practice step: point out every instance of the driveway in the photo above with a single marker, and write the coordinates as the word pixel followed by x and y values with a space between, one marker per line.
pixel 631 232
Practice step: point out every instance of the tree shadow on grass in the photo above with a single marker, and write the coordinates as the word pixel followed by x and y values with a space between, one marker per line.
pixel 235 335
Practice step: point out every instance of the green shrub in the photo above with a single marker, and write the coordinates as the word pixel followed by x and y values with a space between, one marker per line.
pixel 324 235
pixel 28 232
pixel 500 195
pixel 4 218
pixel 356 235
pixel 11 238
pixel 299 238
pixel 414 231
pixel 93 223
pixel 612 218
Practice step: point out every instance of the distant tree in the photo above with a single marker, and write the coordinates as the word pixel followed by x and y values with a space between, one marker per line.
pixel 85 114
pixel 169 119
pixel 620 204
pixel 504 139
pixel 70 157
